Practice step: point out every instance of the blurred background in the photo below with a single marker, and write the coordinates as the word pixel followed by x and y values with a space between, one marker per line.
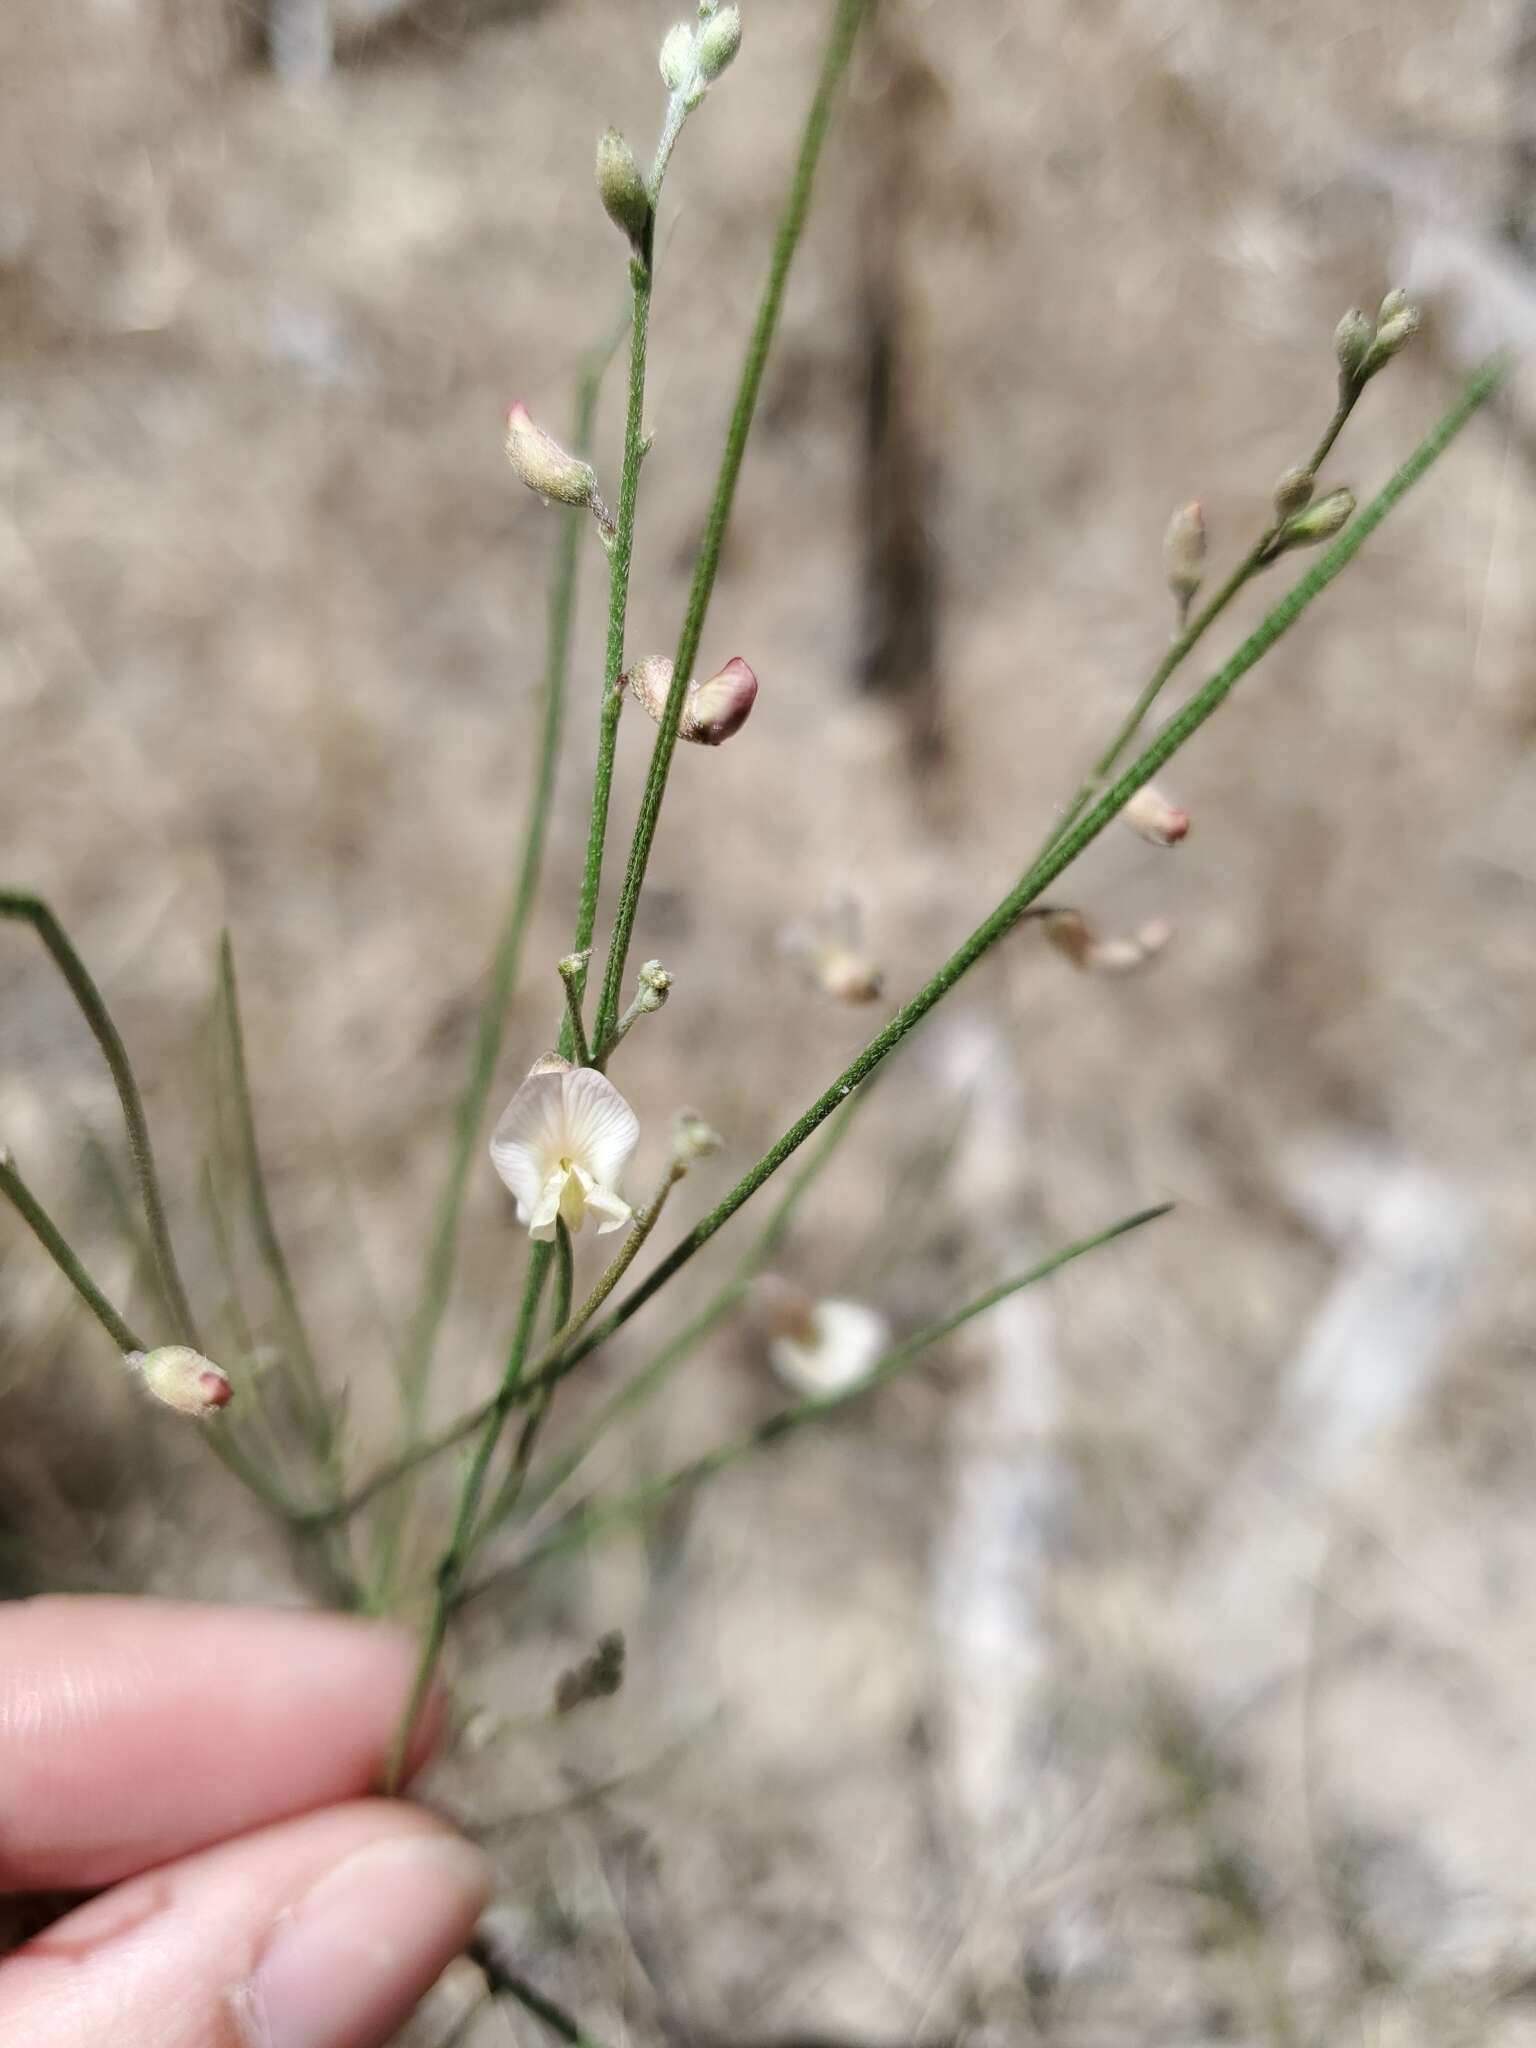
pixel 1156 1664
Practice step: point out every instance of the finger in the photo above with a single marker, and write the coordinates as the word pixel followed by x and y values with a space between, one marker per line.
pixel 132 1731
pixel 318 1933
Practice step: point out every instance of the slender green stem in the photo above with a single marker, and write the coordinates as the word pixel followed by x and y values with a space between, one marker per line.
pixel 58 1248
pixel 572 973
pixel 579 1528
pixel 1173 735
pixel 620 558
pixel 845 24
pixel 1191 631
pixel 298 1352
pixel 533 1421
pixel 32 910
pixel 469 1116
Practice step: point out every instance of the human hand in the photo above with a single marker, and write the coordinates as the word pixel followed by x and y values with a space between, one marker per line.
pixel 205 1772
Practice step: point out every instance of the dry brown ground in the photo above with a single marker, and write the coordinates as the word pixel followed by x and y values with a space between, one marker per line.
pixel 1157 1669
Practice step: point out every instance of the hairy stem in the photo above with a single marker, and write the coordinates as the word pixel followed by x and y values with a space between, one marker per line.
pixel 845 24
pixel 32 910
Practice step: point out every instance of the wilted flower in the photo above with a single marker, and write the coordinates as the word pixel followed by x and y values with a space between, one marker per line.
pixel 831 946
pixel 1152 817
pixel 829 1348
pixel 712 710
pixel 182 1378
pixel 1070 933
pixel 543 464
pixel 561 1147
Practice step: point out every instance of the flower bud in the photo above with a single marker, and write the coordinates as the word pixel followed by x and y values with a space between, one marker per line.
pixel 679 58
pixel 1071 934
pixel 181 1378
pixel 847 976
pixel 1292 491
pixel 720 707
pixel 544 465
pixel 1394 303
pixel 621 187
pixel 1184 550
pixel 1150 815
pixel 1351 338
pixel 719 40
pixel 655 986
pixel 1394 332
pixel 712 711
pixel 1319 522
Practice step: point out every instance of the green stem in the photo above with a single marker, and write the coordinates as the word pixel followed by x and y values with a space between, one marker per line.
pixel 32 910
pixel 505 1982
pixel 845 24
pixel 54 1243
pixel 572 971
pixel 469 1116
pixel 621 556
pixel 533 1422
pixel 298 1351
pixel 1173 735
pixel 579 1528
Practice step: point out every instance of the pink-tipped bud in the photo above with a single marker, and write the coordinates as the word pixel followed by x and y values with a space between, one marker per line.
pixel 1150 815
pixel 720 707
pixel 712 711
pixel 182 1379
pixel 1184 550
pixel 544 465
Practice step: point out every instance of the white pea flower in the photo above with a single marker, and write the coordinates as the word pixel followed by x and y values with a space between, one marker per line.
pixel 829 1350
pixel 562 1145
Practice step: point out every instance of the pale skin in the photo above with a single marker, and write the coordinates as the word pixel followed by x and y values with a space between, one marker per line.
pixel 205 1775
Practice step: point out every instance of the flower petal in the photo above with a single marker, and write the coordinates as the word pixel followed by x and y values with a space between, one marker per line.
pixel 612 1211
pixel 528 1141
pixel 540 1219
pixel 601 1130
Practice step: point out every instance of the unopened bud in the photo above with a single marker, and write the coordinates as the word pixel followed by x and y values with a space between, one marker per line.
pixel 1150 815
pixel 621 187
pixel 1394 303
pixel 693 1139
pixel 550 1063
pixel 1393 333
pixel 712 710
pixel 847 976
pixel 719 40
pixel 1292 491
pixel 1184 550
pixel 679 58
pixel 544 465
pixel 1321 521
pixel 181 1378
pixel 655 986
pixel 1351 338
pixel 720 707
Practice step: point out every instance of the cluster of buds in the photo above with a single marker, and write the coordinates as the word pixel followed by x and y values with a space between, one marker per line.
pixel 181 1378
pixel 1363 346
pixel 1072 935
pixel 712 710
pixel 693 58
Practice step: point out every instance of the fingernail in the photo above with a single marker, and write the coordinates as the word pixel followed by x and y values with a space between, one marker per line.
pixel 345 1965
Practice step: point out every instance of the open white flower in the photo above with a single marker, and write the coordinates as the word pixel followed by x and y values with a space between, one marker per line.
pixel 830 1349
pixel 562 1145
